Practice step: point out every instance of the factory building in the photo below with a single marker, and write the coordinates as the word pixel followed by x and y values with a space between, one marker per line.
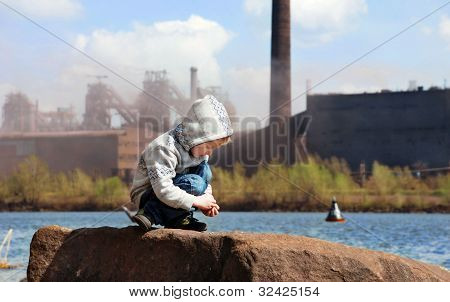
pixel 404 128
pixel 98 153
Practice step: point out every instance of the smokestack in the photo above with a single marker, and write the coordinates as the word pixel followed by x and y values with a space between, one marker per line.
pixel 280 72
pixel 194 82
pixel 308 87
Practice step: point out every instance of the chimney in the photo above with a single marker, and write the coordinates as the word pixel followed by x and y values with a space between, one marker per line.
pixel 194 82
pixel 280 72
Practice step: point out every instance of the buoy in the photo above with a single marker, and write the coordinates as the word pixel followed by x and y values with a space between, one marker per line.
pixel 335 214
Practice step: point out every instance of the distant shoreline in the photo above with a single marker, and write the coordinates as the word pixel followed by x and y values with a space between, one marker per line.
pixel 5 208
pixel 303 187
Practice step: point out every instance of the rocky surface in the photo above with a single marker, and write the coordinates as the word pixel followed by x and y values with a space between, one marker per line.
pixel 128 254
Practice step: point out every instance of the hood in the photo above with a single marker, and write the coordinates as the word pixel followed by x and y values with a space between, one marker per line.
pixel 207 120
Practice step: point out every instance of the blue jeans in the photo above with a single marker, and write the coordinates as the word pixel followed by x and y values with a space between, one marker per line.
pixel 194 182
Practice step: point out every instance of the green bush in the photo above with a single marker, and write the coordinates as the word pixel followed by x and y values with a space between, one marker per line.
pixel 269 184
pixel 443 186
pixel 383 181
pixel 62 186
pixel 110 191
pixel 82 184
pixel 313 178
pixel 31 180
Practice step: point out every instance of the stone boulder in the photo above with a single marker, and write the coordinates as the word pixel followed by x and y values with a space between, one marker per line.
pixel 128 254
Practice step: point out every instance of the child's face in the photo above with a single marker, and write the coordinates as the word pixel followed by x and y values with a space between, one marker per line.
pixel 204 149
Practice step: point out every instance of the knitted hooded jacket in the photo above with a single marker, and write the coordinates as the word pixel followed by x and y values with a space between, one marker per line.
pixel 168 154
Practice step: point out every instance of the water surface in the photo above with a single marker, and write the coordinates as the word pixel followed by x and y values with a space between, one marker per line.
pixel 423 237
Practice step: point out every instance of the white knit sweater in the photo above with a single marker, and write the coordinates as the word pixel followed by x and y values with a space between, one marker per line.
pixel 168 154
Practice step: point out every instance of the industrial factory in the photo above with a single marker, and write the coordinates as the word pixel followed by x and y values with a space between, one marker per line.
pixel 407 128
pixel 93 144
pixel 396 128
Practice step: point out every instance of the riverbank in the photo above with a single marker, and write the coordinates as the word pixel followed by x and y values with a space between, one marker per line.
pixel 375 204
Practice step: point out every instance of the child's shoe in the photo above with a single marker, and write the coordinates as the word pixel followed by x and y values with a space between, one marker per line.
pixel 143 220
pixel 188 223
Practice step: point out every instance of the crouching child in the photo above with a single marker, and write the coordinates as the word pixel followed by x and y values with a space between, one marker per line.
pixel 173 177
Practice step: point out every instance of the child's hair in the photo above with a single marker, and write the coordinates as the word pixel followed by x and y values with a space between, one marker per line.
pixel 220 141
pixel 224 140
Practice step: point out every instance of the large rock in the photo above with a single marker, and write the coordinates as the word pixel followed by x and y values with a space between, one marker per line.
pixel 128 254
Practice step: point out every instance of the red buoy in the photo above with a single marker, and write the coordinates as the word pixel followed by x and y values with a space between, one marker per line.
pixel 334 215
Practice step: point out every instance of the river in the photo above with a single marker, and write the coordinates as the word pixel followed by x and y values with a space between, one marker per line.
pixel 423 237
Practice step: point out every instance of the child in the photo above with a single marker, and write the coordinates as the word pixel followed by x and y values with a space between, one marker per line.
pixel 173 174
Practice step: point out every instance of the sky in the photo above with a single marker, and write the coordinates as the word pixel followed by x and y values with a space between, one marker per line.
pixel 228 41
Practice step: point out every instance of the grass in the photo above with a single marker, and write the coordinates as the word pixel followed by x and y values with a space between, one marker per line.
pixel 33 187
pixel 279 187
pixel 300 187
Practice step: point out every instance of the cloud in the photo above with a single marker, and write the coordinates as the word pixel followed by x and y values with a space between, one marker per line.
pixel 249 89
pixel 321 20
pixel 257 7
pixel 326 14
pixel 47 8
pixel 171 45
pixel 6 88
pixel 324 20
pixel 426 30
pixel 444 28
pixel 368 77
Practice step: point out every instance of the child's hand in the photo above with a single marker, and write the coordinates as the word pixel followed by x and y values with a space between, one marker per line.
pixel 205 202
pixel 211 213
pixel 215 210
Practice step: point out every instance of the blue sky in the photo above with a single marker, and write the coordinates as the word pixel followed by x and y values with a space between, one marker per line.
pixel 228 40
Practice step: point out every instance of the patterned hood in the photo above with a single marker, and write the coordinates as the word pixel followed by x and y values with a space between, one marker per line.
pixel 207 120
